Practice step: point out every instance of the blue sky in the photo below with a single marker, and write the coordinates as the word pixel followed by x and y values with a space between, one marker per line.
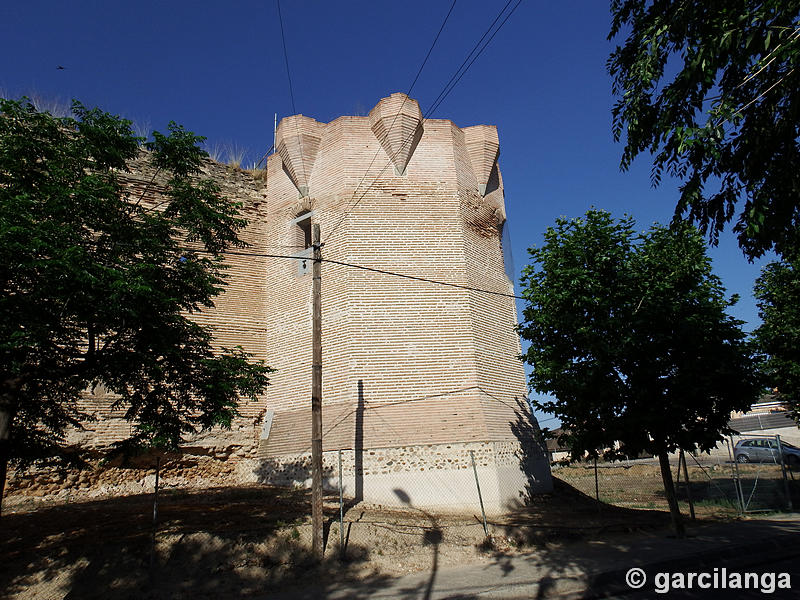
pixel 219 70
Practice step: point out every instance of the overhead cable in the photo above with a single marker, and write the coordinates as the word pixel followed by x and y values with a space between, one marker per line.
pixel 291 94
pixel 449 86
pixel 408 93
pixel 363 268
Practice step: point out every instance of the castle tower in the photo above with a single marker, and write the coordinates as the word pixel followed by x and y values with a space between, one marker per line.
pixel 416 375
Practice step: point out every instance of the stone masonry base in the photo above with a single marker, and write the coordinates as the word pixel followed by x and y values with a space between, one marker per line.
pixel 430 477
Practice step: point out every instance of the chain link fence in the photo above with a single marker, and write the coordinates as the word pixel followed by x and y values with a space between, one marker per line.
pixel 196 526
pixel 746 473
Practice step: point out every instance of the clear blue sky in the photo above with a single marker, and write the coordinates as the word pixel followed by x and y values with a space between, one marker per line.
pixel 219 70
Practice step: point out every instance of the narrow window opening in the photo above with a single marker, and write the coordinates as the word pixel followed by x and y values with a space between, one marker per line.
pixel 301 239
pixel 303 232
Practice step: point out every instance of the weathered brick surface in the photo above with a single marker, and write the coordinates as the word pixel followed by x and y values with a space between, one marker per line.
pixel 406 363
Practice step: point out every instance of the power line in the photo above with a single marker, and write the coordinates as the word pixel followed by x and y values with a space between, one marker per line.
pixel 425 279
pixel 449 86
pixel 428 55
pixel 408 93
pixel 454 83
pixel 364 268
pixel 291 94
pixel 437 101
pixel 286 56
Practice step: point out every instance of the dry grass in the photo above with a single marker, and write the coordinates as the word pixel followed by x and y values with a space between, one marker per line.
pixel 229 153
pixel 639 485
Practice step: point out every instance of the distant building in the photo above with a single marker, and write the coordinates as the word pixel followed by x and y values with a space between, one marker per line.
pixel 768 414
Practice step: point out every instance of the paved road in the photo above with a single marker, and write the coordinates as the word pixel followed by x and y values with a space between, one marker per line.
pixel 596 569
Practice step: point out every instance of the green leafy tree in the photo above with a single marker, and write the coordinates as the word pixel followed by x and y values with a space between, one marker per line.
pixel 778 293
pixel 99 286
pixel 712 90
pixel 629 335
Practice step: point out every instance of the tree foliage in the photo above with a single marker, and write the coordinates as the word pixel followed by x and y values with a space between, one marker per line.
pixel 629 333
pixel 712 90
pixel 99 287
pixel 778 293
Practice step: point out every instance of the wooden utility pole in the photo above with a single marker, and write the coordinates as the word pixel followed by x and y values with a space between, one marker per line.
pixel 316 398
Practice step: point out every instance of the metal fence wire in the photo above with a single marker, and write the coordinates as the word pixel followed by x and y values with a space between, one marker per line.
pixel 746 473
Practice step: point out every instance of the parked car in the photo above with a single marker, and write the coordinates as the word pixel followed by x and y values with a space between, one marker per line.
pixel 760 450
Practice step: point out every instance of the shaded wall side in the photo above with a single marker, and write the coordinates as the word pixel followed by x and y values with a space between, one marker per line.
pixel 237 317
pixel 492 317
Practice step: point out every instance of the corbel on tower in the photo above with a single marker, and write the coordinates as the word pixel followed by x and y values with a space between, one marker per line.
pixel 397 123
pixel 483 149
pixel 297 142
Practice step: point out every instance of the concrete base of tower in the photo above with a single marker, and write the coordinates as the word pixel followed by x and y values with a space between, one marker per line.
pixel 451 477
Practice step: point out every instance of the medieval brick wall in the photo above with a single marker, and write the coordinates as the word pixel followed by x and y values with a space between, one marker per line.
pixel 236 319
pixel 406 363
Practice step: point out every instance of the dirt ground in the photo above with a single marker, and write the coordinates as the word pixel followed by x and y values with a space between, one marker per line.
pixel 239 541
pixel 711 486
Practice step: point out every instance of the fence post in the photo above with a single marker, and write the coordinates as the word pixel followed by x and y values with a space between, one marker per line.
pixel 737 484
pixel 155 519
pixel 783 472
pixel 687 484
pixel 341 509
pixel 596 485
pixel 480 497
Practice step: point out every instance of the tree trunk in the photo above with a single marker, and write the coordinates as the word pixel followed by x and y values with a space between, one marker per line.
pixel 9 401
pixel 6 416
pixel 669 491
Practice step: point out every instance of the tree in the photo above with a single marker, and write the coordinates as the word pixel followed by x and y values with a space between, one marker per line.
pixel 628 332
pixel 778 293
pixel 98 287
pixel 712 90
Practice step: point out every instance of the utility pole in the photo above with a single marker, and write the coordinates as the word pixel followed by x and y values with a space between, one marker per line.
pixel 316 398
pixel 275 134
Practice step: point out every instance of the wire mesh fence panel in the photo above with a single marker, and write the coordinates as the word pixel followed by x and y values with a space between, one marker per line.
pixel 712 484
pixel 764 472
pixel 743 474
pixel 638 484
pixel 632 484
pixel 391 499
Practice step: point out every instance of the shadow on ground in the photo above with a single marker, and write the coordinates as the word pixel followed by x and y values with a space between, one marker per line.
pixel 216 543
pixel 253 542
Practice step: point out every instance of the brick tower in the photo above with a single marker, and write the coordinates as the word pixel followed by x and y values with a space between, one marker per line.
pixel 415 374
